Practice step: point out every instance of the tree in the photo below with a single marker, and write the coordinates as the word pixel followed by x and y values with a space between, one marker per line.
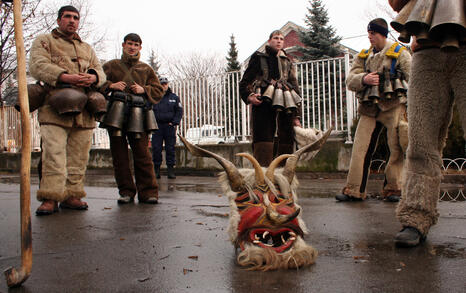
pixel 39 16
pixel 153 62
pixel 194 65
pixel 320 40
pixel 232 58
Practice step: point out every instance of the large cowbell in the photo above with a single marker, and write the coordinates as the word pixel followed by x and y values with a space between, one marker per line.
pixel 150 123
pixel 115 117
pixel 419 21
pixel 278 102
pixel 399 23
pixel 448 24
pixel 136 116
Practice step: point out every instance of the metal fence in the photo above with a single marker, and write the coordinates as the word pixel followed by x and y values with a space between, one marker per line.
pixel 215 100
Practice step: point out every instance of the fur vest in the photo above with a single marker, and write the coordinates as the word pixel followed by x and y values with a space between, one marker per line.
pixel 254 73
pixel 375 62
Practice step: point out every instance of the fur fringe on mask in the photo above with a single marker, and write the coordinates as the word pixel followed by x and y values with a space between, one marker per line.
pixel 304 137
pixel 260 259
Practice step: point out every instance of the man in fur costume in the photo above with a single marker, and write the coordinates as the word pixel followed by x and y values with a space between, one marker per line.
pixel 265 223
pixel 438 80
pixel 135 81
pixel 386 108
pixel 270 122
pixel 62 60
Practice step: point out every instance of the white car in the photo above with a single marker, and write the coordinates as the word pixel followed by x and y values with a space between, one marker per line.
pixel 208 134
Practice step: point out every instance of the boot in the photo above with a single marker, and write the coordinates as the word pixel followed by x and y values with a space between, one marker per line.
pixel 47 207
pixel 170 172
pixel 157 171
pixel 74 203
pixel 409 237
pixel 263 152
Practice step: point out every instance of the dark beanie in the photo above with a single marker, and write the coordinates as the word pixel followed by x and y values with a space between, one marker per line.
pixel 378 25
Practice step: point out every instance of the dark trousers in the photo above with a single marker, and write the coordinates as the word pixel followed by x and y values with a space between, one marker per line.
pixel 165 133
pixel 264 121
pixel 146 184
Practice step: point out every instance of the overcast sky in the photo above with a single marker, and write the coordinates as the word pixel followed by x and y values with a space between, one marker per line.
pixel 182 26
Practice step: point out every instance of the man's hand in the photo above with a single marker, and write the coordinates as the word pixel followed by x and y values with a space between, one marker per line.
pixel 86 79
pixel 118 86
pixel 137 89
pixel 254 99
pixel 371 79
pixel 82 79
pixel 296 122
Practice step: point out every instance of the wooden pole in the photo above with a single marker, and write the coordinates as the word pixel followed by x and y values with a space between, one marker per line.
pixel 17 277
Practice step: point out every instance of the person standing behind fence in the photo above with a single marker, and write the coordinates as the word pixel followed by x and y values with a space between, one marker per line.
pixel 134 84
pixel 372 77
pixel 65 64
pixel 168 113
pixel 272 125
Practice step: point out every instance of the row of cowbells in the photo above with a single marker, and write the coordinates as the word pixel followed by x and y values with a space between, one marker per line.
pixel 287 100
pixel 392 88
pixel 441 21
pixel 128 113
pixel 66 101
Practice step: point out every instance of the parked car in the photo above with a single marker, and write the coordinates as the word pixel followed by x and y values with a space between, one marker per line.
pixel 208 134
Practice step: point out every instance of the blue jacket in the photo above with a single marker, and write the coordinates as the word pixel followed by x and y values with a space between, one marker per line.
pixel 169 109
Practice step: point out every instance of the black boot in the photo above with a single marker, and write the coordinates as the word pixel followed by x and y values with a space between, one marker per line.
pixel 409 237
pixel 170 172
pixel 157 171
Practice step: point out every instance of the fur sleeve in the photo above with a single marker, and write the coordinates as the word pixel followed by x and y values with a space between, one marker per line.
pixel 249 76
pixel 40 62
pixel 96 68
pixel 404 63
pixel 356 74
pixel 153 88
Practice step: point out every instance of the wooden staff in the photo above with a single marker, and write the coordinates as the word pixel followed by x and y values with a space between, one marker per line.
pixel 17 277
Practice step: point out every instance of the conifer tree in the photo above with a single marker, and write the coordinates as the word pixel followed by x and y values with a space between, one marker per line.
pixel 319 39
pixel 153 62
pixel 232 58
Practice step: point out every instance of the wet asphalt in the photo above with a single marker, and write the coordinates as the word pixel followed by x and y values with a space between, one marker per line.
pixel 181 244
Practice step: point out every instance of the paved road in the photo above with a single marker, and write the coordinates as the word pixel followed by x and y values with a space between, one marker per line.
pixel 181 244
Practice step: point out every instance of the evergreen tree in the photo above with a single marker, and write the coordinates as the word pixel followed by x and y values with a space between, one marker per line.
pixel 232 58
pixel 319 39
pixel 153 62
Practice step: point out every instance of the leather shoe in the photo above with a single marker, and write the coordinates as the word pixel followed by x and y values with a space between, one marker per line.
pixel 392 198
pixel 409 237
pixel 345 197
pixel 47 207
pixel 73 203
pixel 125 199
pixel 149 200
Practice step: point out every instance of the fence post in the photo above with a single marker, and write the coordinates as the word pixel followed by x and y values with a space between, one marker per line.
pixel 349 100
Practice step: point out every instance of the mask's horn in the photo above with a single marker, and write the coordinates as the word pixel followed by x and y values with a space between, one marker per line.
pixel 278 218
pixel 274 164
pixel 292 161
pixel 257 168
pixel 237 183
